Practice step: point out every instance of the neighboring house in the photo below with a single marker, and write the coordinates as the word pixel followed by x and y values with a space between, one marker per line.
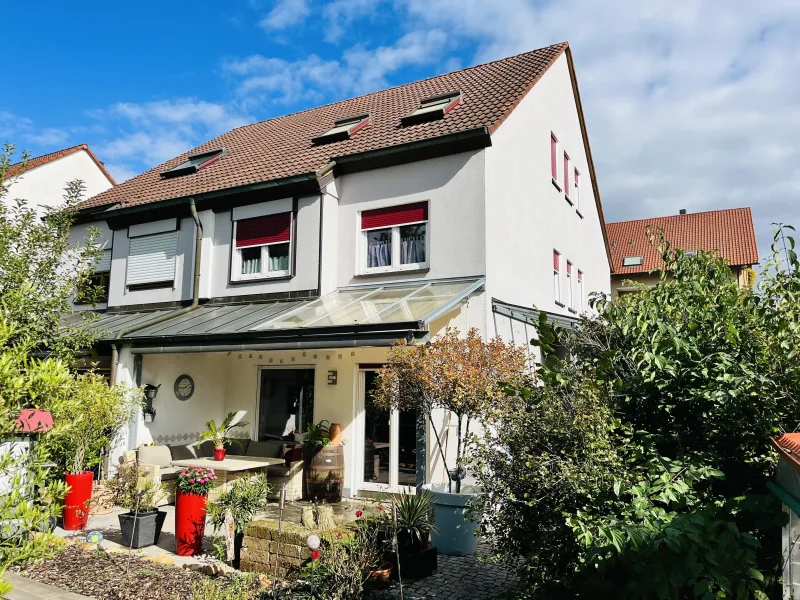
pixel 786 486
pixel 729 232
pixel 41 181
pixel 329 234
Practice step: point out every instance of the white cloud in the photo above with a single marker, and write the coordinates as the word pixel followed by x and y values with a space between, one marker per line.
pixel 690 103
pixel 359 70
pixel 340 14
pixel 47 137
pixel 285 13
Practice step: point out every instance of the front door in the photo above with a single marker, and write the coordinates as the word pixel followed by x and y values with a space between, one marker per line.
pixel 285 402
pixel 390 441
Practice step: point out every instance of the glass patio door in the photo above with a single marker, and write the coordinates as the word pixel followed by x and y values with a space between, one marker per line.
pixel 285 403
pixel 389 443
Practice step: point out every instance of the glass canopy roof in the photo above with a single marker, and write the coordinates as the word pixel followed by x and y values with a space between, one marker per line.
pixel 400 303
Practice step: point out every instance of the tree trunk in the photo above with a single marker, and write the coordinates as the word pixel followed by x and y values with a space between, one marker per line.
pixel 458 458
pixel 444 460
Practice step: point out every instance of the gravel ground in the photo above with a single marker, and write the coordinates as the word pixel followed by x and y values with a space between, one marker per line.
pixel 103 576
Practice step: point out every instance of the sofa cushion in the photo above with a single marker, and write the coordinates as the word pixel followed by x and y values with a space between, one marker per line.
pixel 237 449
pixel 204 449
pixel 269 449
pixel 155 455
pixel 277 471
pixel 169 473
pixel 291 453
pixel 183 452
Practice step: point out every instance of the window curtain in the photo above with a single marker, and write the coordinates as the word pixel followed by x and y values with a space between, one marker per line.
pixel 412 249
pixel 250 264
pixel 379 252
pixel 279 262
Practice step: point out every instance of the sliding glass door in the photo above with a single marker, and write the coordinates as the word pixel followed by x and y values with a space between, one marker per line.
pixel 390 441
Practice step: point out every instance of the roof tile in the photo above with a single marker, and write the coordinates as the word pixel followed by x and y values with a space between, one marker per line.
pixel 38 161
pixel 730 232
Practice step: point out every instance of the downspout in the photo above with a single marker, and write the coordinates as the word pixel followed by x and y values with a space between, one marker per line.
pixel 198 247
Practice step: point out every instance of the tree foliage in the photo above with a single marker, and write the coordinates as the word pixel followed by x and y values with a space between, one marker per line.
pixel 637 466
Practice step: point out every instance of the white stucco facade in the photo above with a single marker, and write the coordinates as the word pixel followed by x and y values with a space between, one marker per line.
pixel 44 185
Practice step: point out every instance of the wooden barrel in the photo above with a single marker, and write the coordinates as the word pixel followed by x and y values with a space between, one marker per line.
pixel 324 474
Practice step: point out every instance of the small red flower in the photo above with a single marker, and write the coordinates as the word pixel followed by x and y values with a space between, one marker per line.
pixel 359 513
pixel 314 554
pixel 339 534
pixel 380 508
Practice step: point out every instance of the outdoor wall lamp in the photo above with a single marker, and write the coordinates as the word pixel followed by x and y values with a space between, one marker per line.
pixel 150 393
pixel 333 376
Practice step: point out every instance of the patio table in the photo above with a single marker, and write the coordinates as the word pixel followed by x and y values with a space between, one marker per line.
pixel 229 469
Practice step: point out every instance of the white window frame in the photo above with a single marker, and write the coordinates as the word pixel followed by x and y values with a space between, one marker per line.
pixel 395 266
pixel 570 291
pixel 567 167
pixel 236 259
pixel 576 196
pixel 580 289
pixel 555 177
pixel 557 278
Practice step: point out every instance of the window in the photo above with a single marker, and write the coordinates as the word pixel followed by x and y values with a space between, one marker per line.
pixel 98 280
pixel 395 238
pixel 580 291
pixel 432 108
pixel 690 253
pixel 343 129
pixel 151 260
pixel 554 159
pixel 570 291
pixel 566 176
pixel 263 247
pixel 576 192
pixel 632 261
pixel 194 163
pixel 556 278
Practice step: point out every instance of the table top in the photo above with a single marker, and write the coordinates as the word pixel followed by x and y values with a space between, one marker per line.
pixel 230 463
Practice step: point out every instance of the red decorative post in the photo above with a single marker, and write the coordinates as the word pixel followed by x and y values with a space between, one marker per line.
pixel 194 484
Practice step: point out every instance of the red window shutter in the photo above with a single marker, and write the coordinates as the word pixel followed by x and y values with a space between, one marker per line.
pixel 556 256
pixel 263 230
pixel 566 174
pixel 580 275
pixel 553 158
pixel 576 177
pixel 394 215
pixel 569 268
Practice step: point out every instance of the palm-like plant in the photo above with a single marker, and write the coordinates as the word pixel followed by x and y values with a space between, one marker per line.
pixel 220 434
pixel 415 518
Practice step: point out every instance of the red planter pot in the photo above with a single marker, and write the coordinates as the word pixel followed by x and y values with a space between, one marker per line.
pixel 219 454
pixel 76 501
pixel 190 523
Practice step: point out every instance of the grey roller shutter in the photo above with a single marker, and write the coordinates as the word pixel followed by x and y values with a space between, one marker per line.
pixel 103 262
pixel 151 258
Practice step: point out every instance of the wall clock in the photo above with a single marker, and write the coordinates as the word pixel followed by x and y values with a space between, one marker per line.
pixel 184 387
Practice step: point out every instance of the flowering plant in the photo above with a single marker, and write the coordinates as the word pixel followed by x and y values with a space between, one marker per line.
pixel 197 480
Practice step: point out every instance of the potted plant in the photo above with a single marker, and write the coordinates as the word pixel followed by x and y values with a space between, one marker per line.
pixel 242 500
pixel 134 489
pixel 462 375
pixel 191 498
pixel 415 522
pixel 221 434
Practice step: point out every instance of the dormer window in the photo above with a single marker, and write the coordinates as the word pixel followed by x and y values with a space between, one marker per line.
pixel 194 163
pixel 632 261
pixel 343 129
pixel 430 109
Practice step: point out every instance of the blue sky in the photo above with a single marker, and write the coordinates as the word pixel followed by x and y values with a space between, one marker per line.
pixel 690 103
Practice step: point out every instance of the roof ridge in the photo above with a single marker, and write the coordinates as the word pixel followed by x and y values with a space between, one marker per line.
pixel 394 87
pixel 69 149
pixel 700 212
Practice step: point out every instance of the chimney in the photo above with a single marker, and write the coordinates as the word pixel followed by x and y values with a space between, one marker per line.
pixel 683 211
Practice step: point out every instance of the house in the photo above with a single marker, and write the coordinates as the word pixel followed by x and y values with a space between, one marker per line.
pixel 786 486
pixel 41 181
pixel 270 269
pixel 729 232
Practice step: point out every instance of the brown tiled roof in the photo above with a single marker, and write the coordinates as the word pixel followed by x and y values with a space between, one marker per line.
pixel 282 147
pixel 730 232
pixel 788 444
pixel 38 161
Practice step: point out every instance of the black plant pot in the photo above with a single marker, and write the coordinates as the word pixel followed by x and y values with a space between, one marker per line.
pixel 143 529
pixel 415 564
pixel 238 538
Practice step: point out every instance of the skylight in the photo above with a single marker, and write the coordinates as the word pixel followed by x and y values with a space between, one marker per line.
pixel 432 108
pixel 343 129
pixel 194 163
pixel 632 261
pixel 690 253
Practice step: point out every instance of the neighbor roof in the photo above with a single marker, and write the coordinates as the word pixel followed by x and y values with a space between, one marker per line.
pixel 38 161
pixel 282 147
pixel 730 232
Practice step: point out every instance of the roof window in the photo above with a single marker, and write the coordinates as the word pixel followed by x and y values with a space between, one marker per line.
pixel 194 163
pixel 632 261
pixel 690 253
pixel 432 108
pixel 343 129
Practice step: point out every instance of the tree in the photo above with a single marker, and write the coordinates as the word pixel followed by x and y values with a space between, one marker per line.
pixel 637 466
pixel 459 374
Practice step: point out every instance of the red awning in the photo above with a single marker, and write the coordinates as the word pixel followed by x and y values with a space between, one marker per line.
pixel 33 420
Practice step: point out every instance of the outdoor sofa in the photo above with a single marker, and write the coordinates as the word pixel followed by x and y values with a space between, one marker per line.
pixel 158 461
